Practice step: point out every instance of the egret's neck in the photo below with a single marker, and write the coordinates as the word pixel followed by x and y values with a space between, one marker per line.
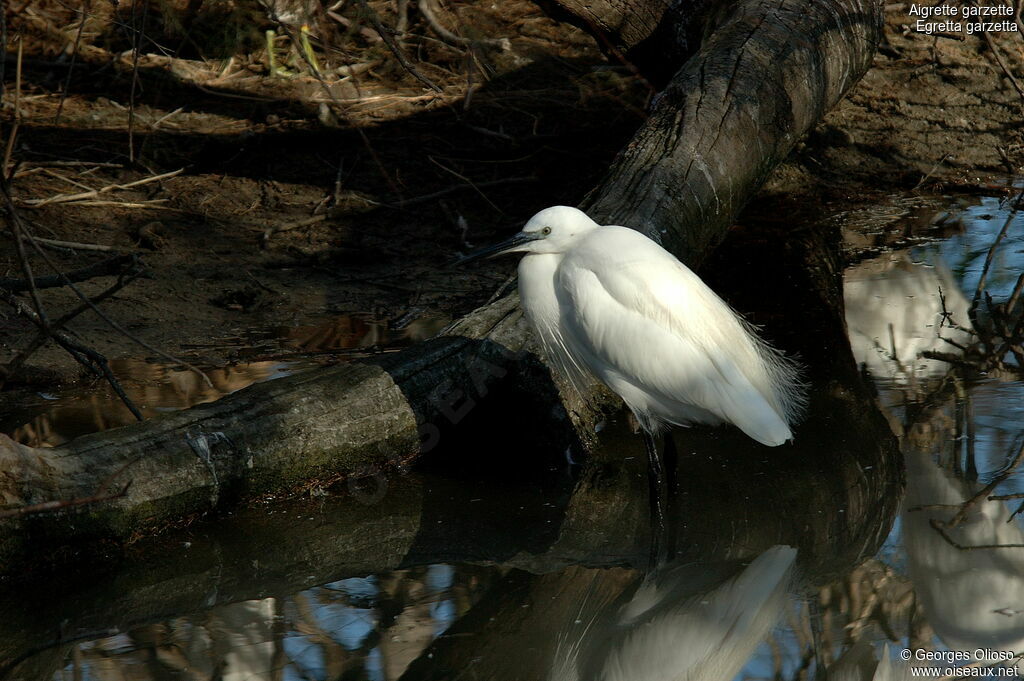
pixel 538 268
pixel 537 287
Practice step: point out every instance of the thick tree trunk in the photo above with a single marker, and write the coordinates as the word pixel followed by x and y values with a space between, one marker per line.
pixel 654 36
pixel 762 79
pixel 766 74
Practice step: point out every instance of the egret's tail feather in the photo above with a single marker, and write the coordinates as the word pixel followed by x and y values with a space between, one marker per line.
pixel 746 406
pixel 785 389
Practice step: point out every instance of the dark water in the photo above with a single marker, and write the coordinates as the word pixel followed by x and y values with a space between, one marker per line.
pixel 819 563
pixel 51 420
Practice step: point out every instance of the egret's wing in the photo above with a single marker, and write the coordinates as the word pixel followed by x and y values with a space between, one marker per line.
pixel 639 316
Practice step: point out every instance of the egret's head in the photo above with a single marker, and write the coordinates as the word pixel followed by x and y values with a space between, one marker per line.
pixel 553 230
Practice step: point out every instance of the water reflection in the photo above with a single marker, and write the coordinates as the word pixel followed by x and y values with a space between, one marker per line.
pixel 462 579
pixel 897 309
pixel 157 387
pixel 241 602
pixel 974 596
pixel 154 388
pixel 949 582
pixel 861 662
pixel 681 622
pixel 353 628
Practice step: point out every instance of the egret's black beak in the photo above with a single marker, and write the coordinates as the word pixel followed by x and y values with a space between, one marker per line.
pixel 499 248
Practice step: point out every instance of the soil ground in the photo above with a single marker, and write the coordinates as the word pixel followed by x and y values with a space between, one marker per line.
pixel 288 212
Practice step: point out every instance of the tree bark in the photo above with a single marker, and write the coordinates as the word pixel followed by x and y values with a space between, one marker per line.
pixel 763 78
pixel 766 74
pixel 655 37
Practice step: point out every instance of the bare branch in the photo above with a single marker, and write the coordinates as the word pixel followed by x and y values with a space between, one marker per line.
pixel 110 266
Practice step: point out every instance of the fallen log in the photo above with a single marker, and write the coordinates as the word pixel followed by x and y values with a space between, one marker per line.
pixel 766 74
pixel 598 521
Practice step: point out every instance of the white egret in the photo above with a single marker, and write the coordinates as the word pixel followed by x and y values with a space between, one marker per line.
pixel 608 302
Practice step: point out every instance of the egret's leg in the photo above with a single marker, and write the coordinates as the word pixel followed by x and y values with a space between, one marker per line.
pixel 656 497
pixel 814 612
pixel 671 461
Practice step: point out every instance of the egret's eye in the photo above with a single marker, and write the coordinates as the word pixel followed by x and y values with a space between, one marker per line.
pixel 545 231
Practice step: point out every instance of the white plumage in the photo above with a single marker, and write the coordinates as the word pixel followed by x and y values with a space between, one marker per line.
pixel 662 634
pixel 609 302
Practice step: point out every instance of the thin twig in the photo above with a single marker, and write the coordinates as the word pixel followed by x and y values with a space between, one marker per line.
pixel 12 367
pixel 84 355
pixel 66 198
pixel 152 204
pixel 460 187
pixel 74 57
pixel 1011 302
pixel 73 245
pixel 596 30
pixel 938 527
pixel 933 169
pixel 932 507
pixel 18 229
pixel 385 34
pixel 337 104
pixel 986 490
pixel 69 164
pixel 350 353
pixel 137 34
pixel 62 178
pixel 428 10
pixel 115 265
pixel 114 325
pixel 1006 71
pixel 503 288
pixel 166 117
pixel 48 506
pixel 293 225
pixel 467 181
pixel 14 218
pixel 991 255
pixel 9 148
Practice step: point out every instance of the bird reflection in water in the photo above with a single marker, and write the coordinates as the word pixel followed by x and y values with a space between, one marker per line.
pixel 681 622
pixel 973 598
pixel 897 310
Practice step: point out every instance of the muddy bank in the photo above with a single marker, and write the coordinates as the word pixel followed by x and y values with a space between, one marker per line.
pixel 279 219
